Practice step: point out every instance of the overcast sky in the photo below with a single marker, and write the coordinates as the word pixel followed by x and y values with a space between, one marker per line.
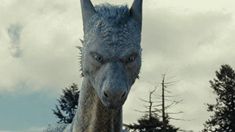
pixel 187 40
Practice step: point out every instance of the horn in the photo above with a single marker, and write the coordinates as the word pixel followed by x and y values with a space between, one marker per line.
pixel 88 10
pixel 136 11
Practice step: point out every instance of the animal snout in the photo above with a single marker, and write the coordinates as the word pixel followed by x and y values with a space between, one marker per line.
pixel 115 96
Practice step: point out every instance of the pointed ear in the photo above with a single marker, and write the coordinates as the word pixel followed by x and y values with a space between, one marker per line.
pixel 88 10
pixel 136 11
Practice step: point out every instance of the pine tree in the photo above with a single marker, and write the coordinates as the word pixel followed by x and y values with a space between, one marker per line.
pixel 68 102
pixel 152 124
pixel 151 121
pixel 223 118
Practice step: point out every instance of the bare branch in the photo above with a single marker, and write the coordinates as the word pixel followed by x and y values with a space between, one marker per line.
pixel 141 111
pixel 177 119
pixel 144 100
pixel 171 113
pixel 157 105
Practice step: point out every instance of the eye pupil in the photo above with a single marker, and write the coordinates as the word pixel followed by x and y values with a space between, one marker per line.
pixel 131 59
pixel 98 58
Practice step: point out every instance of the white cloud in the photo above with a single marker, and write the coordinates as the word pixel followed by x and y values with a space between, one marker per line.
pixel 51 32
pixel 190 46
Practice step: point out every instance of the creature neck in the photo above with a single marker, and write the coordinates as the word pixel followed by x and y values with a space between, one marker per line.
pixel 92 115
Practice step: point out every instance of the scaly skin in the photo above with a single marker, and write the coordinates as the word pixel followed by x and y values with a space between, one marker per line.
pixel 110 64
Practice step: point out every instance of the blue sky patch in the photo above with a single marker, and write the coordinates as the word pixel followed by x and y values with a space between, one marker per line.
pixel 26 110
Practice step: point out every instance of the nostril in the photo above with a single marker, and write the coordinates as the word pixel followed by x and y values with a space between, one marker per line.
pixel 106 95
pixel 123 95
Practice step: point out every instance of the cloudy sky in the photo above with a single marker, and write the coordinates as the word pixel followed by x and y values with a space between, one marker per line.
pixel 186 40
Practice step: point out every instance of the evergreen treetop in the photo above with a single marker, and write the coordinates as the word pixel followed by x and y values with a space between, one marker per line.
pixel 223 119
pixel 68 102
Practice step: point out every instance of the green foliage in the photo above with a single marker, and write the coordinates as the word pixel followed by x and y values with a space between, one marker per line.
pixel 68 103
pixel 152 124
pixel 223 119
